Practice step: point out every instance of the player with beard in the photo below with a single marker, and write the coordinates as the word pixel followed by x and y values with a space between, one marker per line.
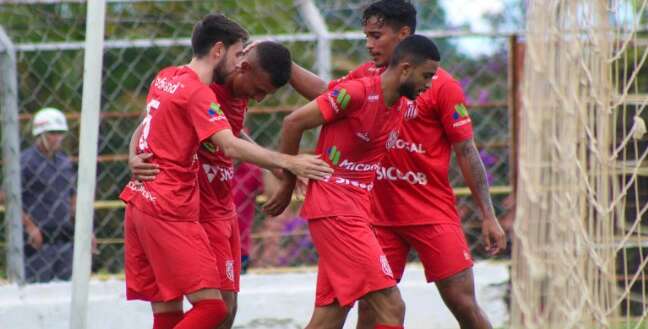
pixel 167 252
pixel 413 203
pixel 258 73
pixel 360 120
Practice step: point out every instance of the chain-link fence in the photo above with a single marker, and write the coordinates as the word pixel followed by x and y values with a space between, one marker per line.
pixel 142 37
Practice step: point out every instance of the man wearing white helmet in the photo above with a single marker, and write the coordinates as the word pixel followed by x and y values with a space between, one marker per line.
pixel 48 194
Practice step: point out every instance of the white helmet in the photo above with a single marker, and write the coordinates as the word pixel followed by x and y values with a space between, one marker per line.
pixel 48 119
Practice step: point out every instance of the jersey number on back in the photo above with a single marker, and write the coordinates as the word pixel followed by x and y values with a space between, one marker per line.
pixel 152 105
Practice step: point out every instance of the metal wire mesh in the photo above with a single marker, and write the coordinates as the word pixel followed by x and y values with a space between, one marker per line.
pixel 142 37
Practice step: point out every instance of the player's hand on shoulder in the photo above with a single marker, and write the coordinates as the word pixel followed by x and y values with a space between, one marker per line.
pixel 309 166
pixel 141 169
pixel 493 236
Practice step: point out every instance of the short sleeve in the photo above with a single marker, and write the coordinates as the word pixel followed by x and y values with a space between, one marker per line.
pixel 341 100
pixel 357 73
pixel 453 113
pixel 206 114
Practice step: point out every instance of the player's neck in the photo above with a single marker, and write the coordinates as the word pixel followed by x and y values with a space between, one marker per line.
pixel 389 85
pixel 204 70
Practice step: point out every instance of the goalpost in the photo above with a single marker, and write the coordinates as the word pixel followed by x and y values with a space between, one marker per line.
pixel 90 108
pixel 581 245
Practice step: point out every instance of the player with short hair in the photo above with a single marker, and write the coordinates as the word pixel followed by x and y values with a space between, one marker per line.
pixel 413 203
pixel 168 254
pixel 360 120
pixel 260 71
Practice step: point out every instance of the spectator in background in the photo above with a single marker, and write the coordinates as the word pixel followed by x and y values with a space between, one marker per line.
pixel 246 185
pixel 48 195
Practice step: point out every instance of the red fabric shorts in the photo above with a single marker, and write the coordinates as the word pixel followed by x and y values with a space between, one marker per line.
pixel 225 241
pixel 351 262
pixel 442 248
pixel 165 260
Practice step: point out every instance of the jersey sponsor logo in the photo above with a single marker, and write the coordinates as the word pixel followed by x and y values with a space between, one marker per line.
pixel 391 140
pixel 354 166
pixel 411 112
pixel 409 146
pixel 373 98
pixel 394 174
pixel 460 116
pixel 466 255
pixel 384 264
pixel 224 174
pixel 355 183
pixel 138 187
pixel 166 85
pixel 342 98
pixel 363 136
pixel 333 154
pixel 229 270
pixel 215 112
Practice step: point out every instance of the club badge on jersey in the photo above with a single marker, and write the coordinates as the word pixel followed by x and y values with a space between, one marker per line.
pixel 215 112
pixel 339 99
pixel 460 116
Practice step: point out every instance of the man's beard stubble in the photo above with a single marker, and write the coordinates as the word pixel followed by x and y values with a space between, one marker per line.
pixel 220 71
pixel 407 90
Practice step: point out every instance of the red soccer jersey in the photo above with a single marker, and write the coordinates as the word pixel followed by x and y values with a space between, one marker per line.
pixel 216 170
pixel 412 186
pixel 353 140
pixel 368 69
pixel 181 112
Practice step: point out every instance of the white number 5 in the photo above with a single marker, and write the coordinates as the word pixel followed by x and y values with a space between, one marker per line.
pixel 152 105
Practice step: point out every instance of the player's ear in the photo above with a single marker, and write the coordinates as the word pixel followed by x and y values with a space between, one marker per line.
pixel 406 69
pixel 217 50
pixel 404 32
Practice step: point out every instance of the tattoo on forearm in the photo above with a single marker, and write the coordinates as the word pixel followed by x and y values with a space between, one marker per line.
pixel 478 172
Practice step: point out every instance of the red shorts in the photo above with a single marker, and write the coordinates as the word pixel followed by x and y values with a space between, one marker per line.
pixel 225 241
pixel 442 248
pixel 165 260
pixel 351 262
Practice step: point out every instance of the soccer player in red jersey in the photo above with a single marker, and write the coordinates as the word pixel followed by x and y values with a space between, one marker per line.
pixel 360 120
pixel 167 251
pixel 413 203
pixel 260 71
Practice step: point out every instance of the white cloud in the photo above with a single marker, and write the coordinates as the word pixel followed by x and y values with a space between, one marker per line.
pixel 471 13
pixel 459 12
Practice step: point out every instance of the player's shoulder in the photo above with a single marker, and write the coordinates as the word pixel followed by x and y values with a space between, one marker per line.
pixel 355 88
pixel 443 84
pixel 442 80
pixel 178 81
pixel 347 95
pixel 446 83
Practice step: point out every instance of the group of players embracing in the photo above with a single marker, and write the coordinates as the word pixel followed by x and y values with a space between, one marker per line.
pixel 378 182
